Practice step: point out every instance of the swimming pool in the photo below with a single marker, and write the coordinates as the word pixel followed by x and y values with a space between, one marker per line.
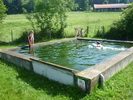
pixel 76 54
pixel 85 79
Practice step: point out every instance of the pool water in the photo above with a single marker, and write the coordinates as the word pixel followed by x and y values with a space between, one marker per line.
pixel 76 54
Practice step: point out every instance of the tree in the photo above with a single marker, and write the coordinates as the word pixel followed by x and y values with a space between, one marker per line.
pixel 50 16
pixel 106 2
pixel 82 4
pixel 2 11
pixel 13 6
pixel 122 29
pixel 98 1
pixel 29 5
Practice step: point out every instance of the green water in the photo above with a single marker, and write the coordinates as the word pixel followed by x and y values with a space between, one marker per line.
pixel 77 54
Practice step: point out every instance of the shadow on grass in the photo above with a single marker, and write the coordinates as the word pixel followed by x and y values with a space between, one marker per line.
pixel 4 43
pixel 50 87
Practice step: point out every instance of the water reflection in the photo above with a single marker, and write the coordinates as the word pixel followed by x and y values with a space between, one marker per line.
pixel 31 51
pixel 74 54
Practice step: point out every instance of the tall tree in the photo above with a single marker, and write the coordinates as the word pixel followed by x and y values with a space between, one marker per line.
pixel 13 6
pixel 106 1
pixel 82 4
pixel 122 29
pixel 98 1
pixel 17 6
pixel 29 5
pixel 3 9
pixel 50 16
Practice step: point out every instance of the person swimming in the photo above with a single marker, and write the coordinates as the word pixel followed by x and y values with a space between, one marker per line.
pixel 97 45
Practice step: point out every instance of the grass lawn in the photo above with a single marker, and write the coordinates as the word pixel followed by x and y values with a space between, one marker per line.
pixel 17 24
pixel 95 20
pixel 19 84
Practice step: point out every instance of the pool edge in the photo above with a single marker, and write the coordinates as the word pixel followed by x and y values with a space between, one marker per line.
pixel 85 79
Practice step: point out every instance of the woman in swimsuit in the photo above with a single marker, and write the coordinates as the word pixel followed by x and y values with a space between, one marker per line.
pixel 31 39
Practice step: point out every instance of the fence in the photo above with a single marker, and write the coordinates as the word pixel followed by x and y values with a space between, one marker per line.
pixel 98 31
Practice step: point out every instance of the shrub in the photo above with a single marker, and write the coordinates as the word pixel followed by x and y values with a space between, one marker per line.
pixel 50 16
pixel 23 38
pixel 3 9
pixel 123 28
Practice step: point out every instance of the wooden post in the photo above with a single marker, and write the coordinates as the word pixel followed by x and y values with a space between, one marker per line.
pixel 103 31
pixel 87 31
pixel 78 31
pixel 51 33
pixel 12 35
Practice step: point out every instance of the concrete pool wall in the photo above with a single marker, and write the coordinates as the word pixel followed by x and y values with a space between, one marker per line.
pixel 86 79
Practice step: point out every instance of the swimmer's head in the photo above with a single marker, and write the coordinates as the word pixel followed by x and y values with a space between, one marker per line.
pixel 98 43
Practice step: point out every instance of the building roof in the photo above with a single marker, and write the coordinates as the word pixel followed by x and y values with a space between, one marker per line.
pixel 99 6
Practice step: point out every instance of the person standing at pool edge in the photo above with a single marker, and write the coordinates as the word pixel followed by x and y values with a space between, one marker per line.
pixel 31 42
pixel 31 39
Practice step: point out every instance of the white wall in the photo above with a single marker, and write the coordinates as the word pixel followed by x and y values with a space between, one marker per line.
pixel 53 73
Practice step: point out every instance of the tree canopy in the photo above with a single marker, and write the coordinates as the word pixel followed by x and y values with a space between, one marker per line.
pixel 50 16
pixel 2 11
pixel 122 29
pixel 16 6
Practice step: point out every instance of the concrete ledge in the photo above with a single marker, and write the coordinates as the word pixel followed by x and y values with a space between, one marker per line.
pixel 53 65
pixel 17 59
pixel 54 72
pixel 105 40
pixel 107 68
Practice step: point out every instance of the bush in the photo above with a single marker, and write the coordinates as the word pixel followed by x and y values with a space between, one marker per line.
pixel 38 36
pixel 23 38
pixel 100 32
pixel 123 28
pixel 3 9
pixel 50 16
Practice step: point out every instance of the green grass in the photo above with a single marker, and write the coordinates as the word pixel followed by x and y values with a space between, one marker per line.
pixel 18 23
pixel 9 46
pixel 95 20
pixel 19 84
